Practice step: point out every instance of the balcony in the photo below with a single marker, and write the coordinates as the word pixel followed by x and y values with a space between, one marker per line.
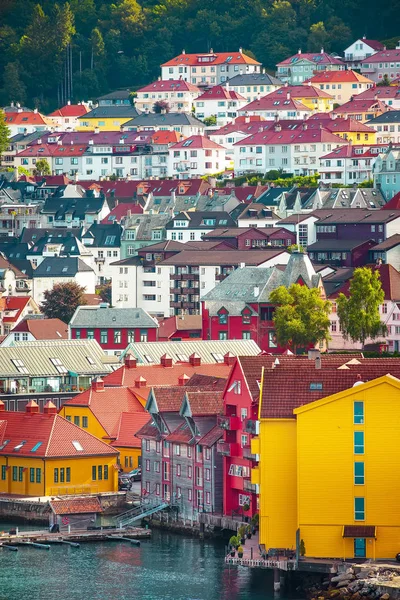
pixel 252 427
pixel 247 453
pixel 175 304
pixel 190 276
pixel 230 423
pixel 99 259
pixel 254 488
pixel 228 449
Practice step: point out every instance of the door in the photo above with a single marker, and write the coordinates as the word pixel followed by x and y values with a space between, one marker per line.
pixel 360 545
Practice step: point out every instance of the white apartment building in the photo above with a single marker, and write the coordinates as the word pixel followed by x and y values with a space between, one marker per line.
pixel 54 270
pixel 349 164
pixel 210 68
pixel 220 102
pixel 253 85
pixel 179 94
pixel 296 152
pixel 196 156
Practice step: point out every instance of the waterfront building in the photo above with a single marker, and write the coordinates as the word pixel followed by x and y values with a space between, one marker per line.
pixel 43 454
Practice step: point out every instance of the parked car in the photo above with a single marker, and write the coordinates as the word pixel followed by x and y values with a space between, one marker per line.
pixel 124 483
pixel 136 474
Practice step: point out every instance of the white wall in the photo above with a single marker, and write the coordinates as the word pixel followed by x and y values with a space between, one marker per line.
pixel 86 279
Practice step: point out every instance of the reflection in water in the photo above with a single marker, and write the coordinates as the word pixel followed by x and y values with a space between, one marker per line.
pixel 167 567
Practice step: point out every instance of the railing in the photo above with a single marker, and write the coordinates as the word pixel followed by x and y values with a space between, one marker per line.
pixel 250 487
pixel 230 423
pixel 252 427
pixel 247 453
pixel 227 449
pixel 283 565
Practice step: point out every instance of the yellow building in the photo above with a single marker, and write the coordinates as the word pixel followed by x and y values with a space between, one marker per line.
pixel 43 454
pixel 106 118
pixel 362 110
pixel 342 85
pixel 311 96
pixel 111 414
pixel 351 130
pixel 327 465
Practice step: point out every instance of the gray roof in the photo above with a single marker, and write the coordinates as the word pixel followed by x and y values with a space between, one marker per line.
pixel 103 316
pixel 196 219
pixel 252 284
pixel 145 225
pixel 73 354
pixel 208 350
pixel 390 116
pixel 254 79
pixel 116 95
pixel 56 266
pixel 117 110
pixel 337 245
pixel 154 119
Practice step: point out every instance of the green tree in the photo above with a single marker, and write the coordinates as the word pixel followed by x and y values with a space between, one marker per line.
pixel 384 81
pixel 318 38
pixel 161 106
pixel 62 301
pixel 210 121
pixel 301 317
pixel 358 311
pixel 42 167
pixel 14 90
pixel 4 133
pixel 104 291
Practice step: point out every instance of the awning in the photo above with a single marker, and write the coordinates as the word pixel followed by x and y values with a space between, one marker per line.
pixel 359 531
pixel 73 374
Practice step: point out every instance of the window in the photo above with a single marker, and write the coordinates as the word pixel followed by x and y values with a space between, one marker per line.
pixel 190 472
pixel 177 449
pixel 94 473
pixel 190 495
pixel 223 318
pixel 100 472
pixel 117 336
pixel 359 509
pixel 358 413
pixel 359 473
pixel 15 473
pixel 222 335
pixel 39 475
pixel 32 475
pixel 147 445
pixel 246 318
pixel 143 335
pixel 246 335
pixel 208 475
pixel 62 475
pixel 55 475
pixel 3 472
pixel 104 336
pixel 147 464
pixel 157 466
pixel 85 422
pixel 358 442
pixel 178 470
pixel 77 421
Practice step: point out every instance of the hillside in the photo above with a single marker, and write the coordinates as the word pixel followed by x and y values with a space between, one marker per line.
pixel 120 44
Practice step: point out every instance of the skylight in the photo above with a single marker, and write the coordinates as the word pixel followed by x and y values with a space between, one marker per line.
pixel 36 446
pixel 17 448
pixel 90 360
pixel 316 386
pixel 218 357
pixel 77 446
pixel 19 366
pixel 148 358
pixel 182 357
pixel 4 444
pixel 58 365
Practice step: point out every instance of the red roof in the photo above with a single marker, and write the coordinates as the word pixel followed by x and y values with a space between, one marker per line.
pixel 76 506
pixel 38 150
pixel 276 104
pixel 171 325
pixel 24 118
pixel 304 136
pixel 373 44
pixel 15 305
pixel 205 402
pixel 215 58
pixel 383 56
pixel 212 437
pixel 394 203
pixel 107 406
pixel 166 137
pixel 50 434
pixel 321 58
pixel 361 106
pixel 300 91
pixel 353 151
pixel 348 76
pixel 69 150
pixel 386 92
pixel 121 210
pixel 217 92
pixel 390 282
pixel 70 110
pixel 197 141
pixel 44 329
pixel 180 435
pixel 129 425
pixel 169 85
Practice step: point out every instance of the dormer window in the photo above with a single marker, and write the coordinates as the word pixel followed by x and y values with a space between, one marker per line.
pixel 223 316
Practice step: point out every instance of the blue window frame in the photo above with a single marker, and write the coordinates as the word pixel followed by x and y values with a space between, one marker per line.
pixel 358 413
pixel 358 442
pixel 359 509
pixel 359 473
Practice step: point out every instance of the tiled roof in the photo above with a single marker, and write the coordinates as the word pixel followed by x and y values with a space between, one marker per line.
pixel 383 56
pixel 372 43
pixel 166 137
pixel 108 405
pixel 167 119
pixel 354 215
pixel 287 136
pixel 390 242
pixel 382 92
pixel 70 110
pixel 216 58
pixel 171 325
pixel 390 116
pixel 197 141
pixel 122 210
pixel 50 434
pixel 390 282
pixel 12 307
pixel 359 531
pixel 287 389
pixel 212 437
pixel 337 245
pixel 276 104
pixel 219 91
pixel 320 58
pixel 44 329
pixel 180 435
pixel 361 106
pixel 169 399
pixel 169 85
pixel 102 316
pixel 149 430
pixel 123 111
pixel 209 402
pixel 244 79
pixel 204 382
pixel 348 76
pixel 129 425
pixel 55 266
pixel 76 506
pixel 24 118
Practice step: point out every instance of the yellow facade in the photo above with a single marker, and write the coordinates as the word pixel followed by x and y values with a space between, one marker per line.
pixel 343 91
pixel 16 478
pixel 358 137
pixel 102 123
pixel 77 414
pixel 311 479
pixel 317 104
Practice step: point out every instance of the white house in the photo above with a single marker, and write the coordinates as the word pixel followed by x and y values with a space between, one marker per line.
pixel 220 102
pixel 253 85
pixel 104 241
pixel 179 94
pixel 209 68
pixel 195 156
pixel 270 107
pixel 387 127
pixel 296 152
pixel 54 270
pixel 66 117
pixel 190 226
pixel 361 49
pixel 349 164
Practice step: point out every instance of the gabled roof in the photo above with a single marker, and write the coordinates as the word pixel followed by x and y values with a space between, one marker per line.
pixel 244 79
pixel 104 235
pixel 347 76
pixel 218 92
pixel 172 325
pixel 169 85
pixel 214 58
pixel 197 141
pixel 371 43
pixel 361 106
pixel 70 110
pixel 390 282
pixel 103 316
pixel 123 111
pixel 321 58
pixel 163 119
pixel 287 136
pixel 337 245
pixel 276 104
pixel 55 266
pixel 382 56
pixel 202 402
pixel 165 137
pixel 43 329
pixel 385 92
pixel 222 257
pixel 355 215
pixel 390 116
pixel 196 219
pixel 394 203
pixel 77 208
pixel 13 307
pixel 24 118
pixel 390 242
pixel 51 435
pixel 129 425
pixel 76 506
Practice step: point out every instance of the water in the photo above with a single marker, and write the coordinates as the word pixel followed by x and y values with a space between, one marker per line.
pixel 166 567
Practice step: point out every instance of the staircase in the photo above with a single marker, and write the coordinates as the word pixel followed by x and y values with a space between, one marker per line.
pixel 146 508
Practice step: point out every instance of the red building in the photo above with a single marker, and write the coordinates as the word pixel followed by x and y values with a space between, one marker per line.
pixel 113 328
pixel 239 307
pixel 183 327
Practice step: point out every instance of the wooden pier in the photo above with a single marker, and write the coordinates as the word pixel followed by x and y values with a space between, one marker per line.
pixel 74 537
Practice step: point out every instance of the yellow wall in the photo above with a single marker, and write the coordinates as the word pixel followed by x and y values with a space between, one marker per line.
pixel 277 477
pixel 81 476
pixel 317 104
pixel 345 92
pixel 358 137
pixel 109 124
pixel 325 470
pixel 133 453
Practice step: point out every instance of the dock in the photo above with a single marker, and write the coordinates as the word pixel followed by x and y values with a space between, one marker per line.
pixel 74 538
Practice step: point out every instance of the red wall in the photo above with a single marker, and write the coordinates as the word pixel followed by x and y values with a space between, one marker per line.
pixel 151 336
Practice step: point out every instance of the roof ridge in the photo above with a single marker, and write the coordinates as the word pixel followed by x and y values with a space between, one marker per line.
pixel 51 432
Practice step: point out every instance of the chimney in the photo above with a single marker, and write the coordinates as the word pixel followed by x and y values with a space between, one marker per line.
pixel 313 353
pixel 288 96
pixel 69 103
pixel 166 360
pixel 241 50
pixel 140 382
pixel 318 362
pixel 247 119
pixel 130 361
pixel 195 360
pixel 50 408
pixel 242 265
pixel 304 125
pixel 299 51
pixel 278 127
pixel 183 379
pixel 322 50
pixel 97 384
pixel 184 51
pixel 96 130
pixel 2 406
pixel 39 142
pixel 229 358
pixel 90 142
pixel 35 110
pixel 32 407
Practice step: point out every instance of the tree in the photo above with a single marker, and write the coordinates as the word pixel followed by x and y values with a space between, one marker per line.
pixel 4 133
pixel 14 90
pixel 384 81
pixel 161 106
pixel 42 167
pixel 358 312
pixel 104 292
pixel 62 301
pixel 301 317
pixel 210 121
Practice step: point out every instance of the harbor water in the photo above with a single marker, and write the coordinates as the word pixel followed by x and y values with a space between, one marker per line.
pixel 165 567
